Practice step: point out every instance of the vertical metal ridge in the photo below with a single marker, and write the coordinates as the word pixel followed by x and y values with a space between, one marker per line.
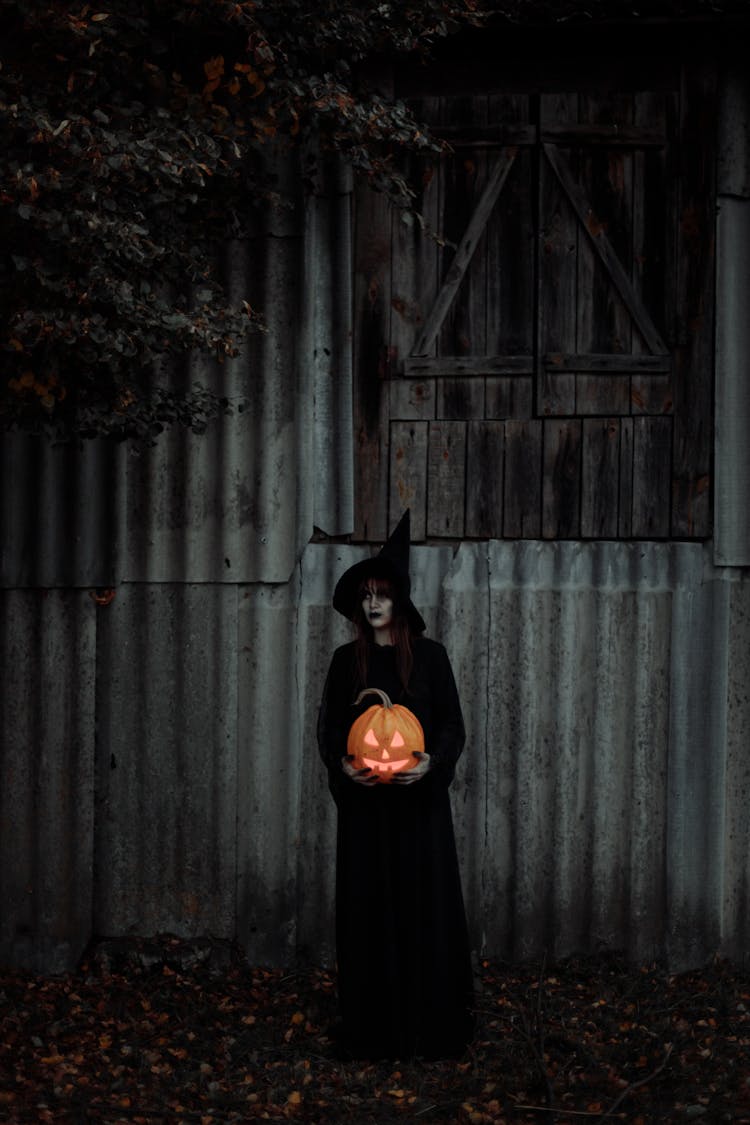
pixel 47 720
pixel 58 512
pixel 166 761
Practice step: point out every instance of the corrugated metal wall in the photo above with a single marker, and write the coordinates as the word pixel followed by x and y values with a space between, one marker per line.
pixel 593 802
pixel 159 767
pixel 47 733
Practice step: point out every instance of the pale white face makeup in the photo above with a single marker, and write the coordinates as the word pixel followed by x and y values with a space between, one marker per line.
pixel 378 610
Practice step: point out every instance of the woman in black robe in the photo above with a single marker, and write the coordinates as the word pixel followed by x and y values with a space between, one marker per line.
pixel 404 970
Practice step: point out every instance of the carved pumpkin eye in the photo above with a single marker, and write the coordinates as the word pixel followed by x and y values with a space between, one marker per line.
pixel 397 741
pixel 371 738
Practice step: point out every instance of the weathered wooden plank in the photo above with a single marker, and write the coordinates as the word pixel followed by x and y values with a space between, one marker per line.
pixel 648 395
pixel 372 293
pixel 609 136
pixel 492 135
pixel 651 395
pixel 694 358
pixel 412 398
pixel 557 393
pixel 561 483
pixel 594 228
pixel 452 366
pixel 460 398
pixel 446 479
pixel 487 136
pixel 465 252
pixel 625 500
pixel 656 173
pixel 600 478
pixel 652 455
pixel 645 108
pixel 608 363
pixel 484 480
pixel 602 394
pixel 510 242
pixel 653 243
pixel 509 398
pixel 627 136
pixel 555 59
pixel 557 255
pixel 522 487
pixel 415 255
pixel 604 324
pixel 462 328
pixel 408 476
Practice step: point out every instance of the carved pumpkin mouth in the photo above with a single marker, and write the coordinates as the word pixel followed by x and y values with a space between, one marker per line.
pixel 385 767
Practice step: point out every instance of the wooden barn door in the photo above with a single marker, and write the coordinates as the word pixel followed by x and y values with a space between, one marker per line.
pixel 547 372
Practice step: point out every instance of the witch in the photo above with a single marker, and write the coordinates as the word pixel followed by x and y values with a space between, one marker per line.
pixel 404 969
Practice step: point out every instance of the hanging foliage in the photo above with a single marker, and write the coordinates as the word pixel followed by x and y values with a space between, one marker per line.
pixel 130 135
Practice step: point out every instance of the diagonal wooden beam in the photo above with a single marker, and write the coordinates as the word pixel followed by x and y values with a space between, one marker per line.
pixel 465 251
pixel 603 247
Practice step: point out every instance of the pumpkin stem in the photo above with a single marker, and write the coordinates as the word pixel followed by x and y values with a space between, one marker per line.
pixel 374 691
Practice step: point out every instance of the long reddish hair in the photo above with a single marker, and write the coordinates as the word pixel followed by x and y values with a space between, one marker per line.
pixel 401 633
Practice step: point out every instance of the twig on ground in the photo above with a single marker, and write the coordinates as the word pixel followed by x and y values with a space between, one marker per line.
pixel 569 1112
pixel 636 1085
pixel 540 1041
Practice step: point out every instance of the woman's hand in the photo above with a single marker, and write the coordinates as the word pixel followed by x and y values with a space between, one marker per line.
pixel 362 777
pixel 416 773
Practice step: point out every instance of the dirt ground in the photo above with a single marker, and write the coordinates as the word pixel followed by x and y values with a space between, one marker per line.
pixel 165 1032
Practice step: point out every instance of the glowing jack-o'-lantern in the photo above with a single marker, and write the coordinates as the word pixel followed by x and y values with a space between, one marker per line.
pixel 385 738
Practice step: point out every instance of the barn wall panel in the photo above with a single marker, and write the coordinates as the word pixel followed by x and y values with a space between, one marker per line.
pixel 220 507
pixel 598 738
pixel 601 799
pixel 269 773
pixel 59 507
pixel 325 361
pixel 166 761
pixel 571 739
pixel 47 667
pixel 732 384
pixel 237 503
pixel 732 417
pixel 737 821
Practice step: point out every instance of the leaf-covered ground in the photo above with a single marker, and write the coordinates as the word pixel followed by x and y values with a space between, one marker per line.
pixel 170 1032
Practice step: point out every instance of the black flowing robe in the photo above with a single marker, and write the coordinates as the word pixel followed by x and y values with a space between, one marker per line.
pixel 404 970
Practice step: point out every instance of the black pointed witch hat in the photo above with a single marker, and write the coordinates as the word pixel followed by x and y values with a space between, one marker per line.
pixel 392 562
